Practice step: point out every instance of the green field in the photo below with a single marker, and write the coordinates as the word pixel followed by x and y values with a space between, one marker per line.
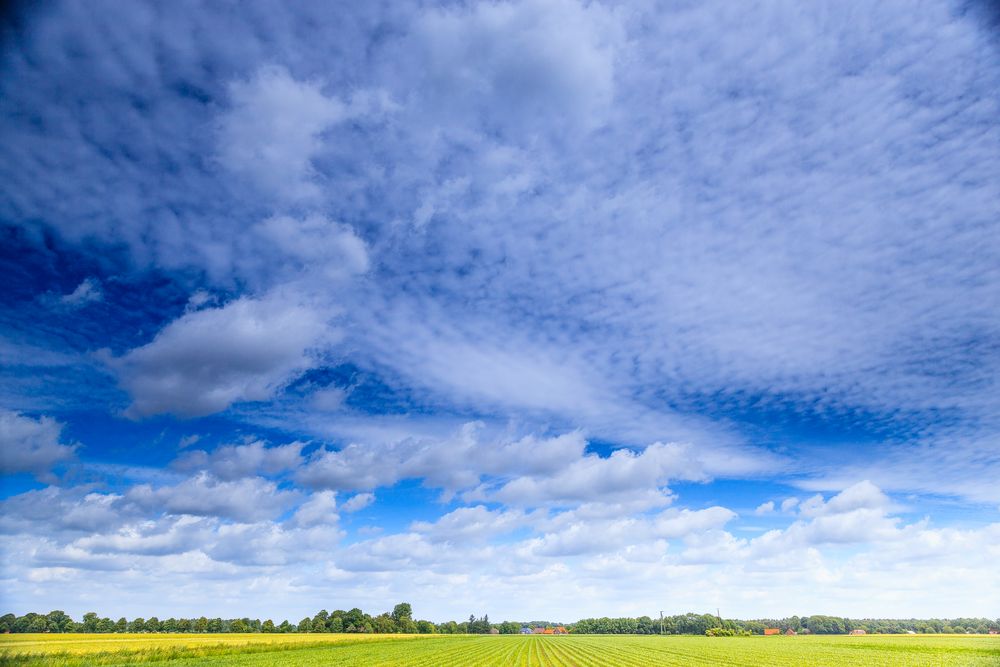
pixel 481 651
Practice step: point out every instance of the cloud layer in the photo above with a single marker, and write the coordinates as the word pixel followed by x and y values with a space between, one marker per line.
pixel 585 303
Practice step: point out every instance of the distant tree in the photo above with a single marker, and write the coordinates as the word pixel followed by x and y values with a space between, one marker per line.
pixel 267 626
pixel 426 628
pixel 305 625
pixel 337 624
pixel 384 623
pixel 239 625
pixel 402 612
pixel 121 625
pixel 7 623
pixel 356 618
pixel 90 622
pixel 153 624
pixel 136 625
pixel 285 627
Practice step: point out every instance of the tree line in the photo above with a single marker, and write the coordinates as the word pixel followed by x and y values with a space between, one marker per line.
pixel 709 624
pixel 400 620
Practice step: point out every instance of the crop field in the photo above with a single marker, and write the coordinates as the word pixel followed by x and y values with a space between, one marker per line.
pixel 259 650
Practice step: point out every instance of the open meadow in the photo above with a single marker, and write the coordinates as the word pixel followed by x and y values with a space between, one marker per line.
pixel 261 650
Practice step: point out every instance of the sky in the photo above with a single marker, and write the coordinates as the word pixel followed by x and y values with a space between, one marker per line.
pixel 534 308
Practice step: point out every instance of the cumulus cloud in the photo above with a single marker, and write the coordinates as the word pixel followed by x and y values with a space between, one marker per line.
pixel 764 508
pixel 235 461
pixel 248 499
pixel 449 463
pixel 788 504
pixel 861 496
pixel 271 131
pixel 619 476
pixel 31 445
pixel 358 502
pixel 206 360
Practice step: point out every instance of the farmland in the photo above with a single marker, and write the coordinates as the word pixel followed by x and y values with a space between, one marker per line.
pixel 261 650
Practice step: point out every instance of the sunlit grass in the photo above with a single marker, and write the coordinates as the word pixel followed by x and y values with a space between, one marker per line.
pixel 313 650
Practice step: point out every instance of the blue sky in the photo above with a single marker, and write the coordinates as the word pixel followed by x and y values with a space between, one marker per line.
pixel 529 308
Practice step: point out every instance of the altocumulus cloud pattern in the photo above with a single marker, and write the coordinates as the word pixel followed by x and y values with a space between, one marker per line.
pixel 565 308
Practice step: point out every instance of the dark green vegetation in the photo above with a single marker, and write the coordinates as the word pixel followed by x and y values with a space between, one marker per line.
pixel 400 621
pixel 480 651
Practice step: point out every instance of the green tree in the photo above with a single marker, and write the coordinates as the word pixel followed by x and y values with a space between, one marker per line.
pixel 7 623
pixel 90 622
pixel 402 612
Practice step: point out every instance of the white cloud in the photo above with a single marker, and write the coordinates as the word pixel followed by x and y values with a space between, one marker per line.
pixel 247 499
pixel 454 463
pixel 860 496
pixel 764 508
pixel 235 461
pixel 206 360
pixel 358 502
pixel 88 291
pixel 788 504
pixel 620 476
pixel 319 510
pixel 272 130
pixel 31 445
pixel 515 64
pixel 286 248
pixel 471 524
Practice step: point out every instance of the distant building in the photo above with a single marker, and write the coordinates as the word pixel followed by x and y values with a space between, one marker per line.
pixel 791 633
pixel 548 631
pixel 538 631
pixel 494 631
pixel 772 631
pixel 858 631
pixel 994 631
pixel 560 631
pixel 525 630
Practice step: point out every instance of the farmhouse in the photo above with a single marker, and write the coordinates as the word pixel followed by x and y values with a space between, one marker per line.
pixel 494 631
pixel 858 631
pixel 538 631
pixel 772 631
pixel 525 630
pixel 560 631
pixel 791 633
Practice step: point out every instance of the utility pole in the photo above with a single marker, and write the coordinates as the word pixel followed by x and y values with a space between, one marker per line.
pixel 661 622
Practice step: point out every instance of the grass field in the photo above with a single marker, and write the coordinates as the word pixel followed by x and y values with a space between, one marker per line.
pixel 481 651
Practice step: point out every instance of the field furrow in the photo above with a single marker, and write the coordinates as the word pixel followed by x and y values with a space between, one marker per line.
pixel 495 651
